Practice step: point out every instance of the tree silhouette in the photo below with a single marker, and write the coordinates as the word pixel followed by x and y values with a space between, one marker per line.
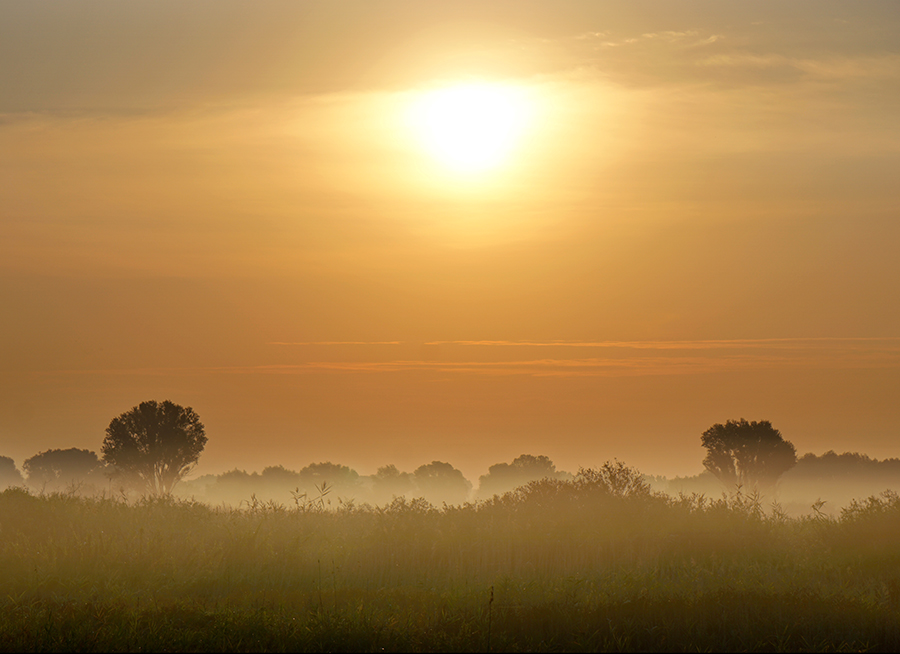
pixel 440 482
pixel 503 477
pixel 58 469
pixel 154 445
pixel 9 474
pixel 832 466
pixel 750 454
pixel 280 476
pixel 318 477
pixel 388 482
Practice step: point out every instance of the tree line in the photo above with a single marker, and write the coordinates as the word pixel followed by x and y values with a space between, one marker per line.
pixel 152 447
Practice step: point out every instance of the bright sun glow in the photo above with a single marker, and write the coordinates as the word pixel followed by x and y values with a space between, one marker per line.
pixel 471 128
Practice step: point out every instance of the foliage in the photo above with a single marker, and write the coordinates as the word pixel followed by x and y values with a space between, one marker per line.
pixel 747 454
pixel 503 477
pixel 280 474
pixel 339 476
pixel 9 473
pixel 58 469
pixel 439 482
pixel 154 445
pixel 389 483
pixel 598 562
pixel 616 478
pixel 844 466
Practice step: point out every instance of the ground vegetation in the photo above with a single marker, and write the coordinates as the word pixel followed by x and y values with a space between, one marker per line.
pixel 597 562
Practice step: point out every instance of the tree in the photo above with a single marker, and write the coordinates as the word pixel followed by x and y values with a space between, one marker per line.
pixel 234 487
pixel 9 474
pixel 440 482
pixel 280 476
pixel 388 483
pixel 154 445
pixel 58 469
pixel 340 477
pixel 503 477
pixel 750 454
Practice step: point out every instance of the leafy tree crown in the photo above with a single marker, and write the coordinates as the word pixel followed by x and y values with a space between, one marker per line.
pixel 56 468
pixel 154 445
pixel 752 454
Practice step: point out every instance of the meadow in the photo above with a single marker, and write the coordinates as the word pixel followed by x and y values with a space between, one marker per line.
pixel 595 563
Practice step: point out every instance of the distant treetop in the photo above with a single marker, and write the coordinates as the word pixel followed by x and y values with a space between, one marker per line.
pixel 503 477
pixel 9 474
pixel 749 454
pixel 56 470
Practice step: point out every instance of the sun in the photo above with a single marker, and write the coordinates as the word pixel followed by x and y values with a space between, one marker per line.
pixel 473 127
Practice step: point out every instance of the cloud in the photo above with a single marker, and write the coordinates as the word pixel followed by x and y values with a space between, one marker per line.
pixel 809 342
pixel 706 356
pixel 685 38
pixel 335 343
pixel 670 35
pixel 884 66
pixel 591 35
pixel 745 59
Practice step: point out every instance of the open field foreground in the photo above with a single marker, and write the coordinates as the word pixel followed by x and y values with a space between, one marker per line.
pixel 596 563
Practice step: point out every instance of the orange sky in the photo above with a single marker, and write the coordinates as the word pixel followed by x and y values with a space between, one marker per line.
pixel 224 204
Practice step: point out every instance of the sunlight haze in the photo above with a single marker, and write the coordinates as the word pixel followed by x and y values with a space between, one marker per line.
pixel 404 232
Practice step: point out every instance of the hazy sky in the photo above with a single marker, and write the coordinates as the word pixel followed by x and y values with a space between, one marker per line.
pixel 227 204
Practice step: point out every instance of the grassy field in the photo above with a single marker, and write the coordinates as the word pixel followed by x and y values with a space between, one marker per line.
pixel 597 563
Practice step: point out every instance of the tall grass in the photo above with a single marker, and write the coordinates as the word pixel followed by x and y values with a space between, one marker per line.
pixel 595 563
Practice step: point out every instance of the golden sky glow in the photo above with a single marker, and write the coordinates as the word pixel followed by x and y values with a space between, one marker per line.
pixel 396 232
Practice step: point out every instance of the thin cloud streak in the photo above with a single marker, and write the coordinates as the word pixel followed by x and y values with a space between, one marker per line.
pixel 594 367
pixel 335 343
pixel 580 367
pixel 800 342
pixel 817 342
